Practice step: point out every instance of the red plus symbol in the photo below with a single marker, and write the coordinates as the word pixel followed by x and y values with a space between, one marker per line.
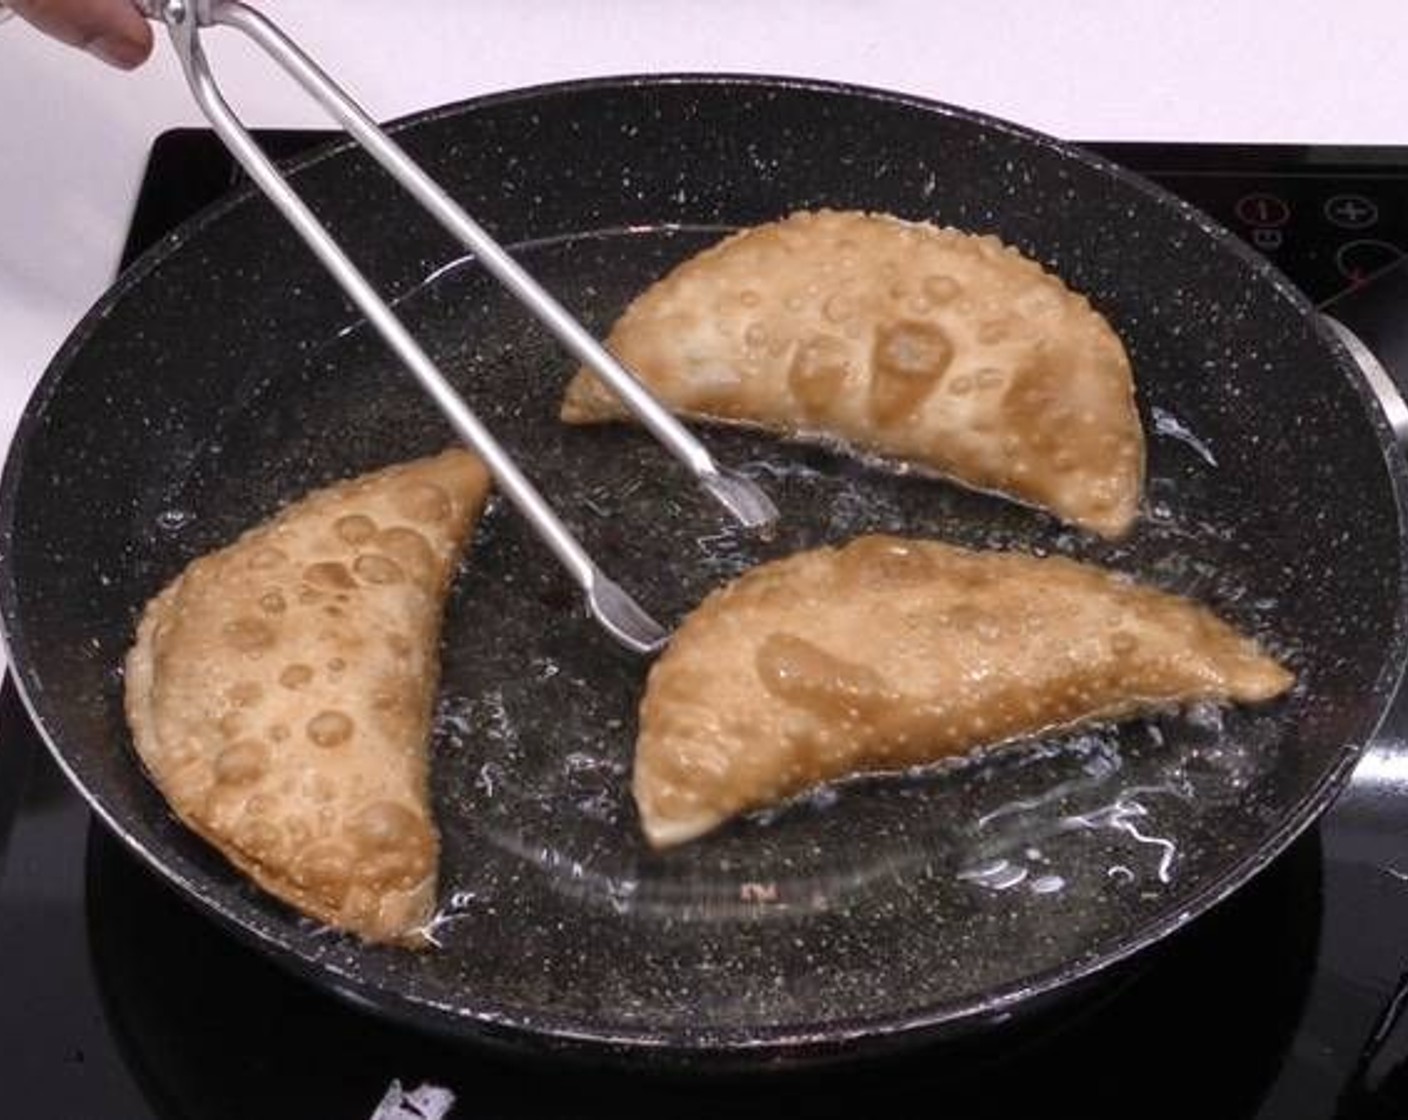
pixel 1351 211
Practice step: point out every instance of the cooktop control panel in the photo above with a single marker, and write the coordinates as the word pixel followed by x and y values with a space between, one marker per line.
pixel 1328 217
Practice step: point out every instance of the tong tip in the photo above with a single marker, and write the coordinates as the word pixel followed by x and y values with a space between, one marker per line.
pixel 742 497
pixel 623 618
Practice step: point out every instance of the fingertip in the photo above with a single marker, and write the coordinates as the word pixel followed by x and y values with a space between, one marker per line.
pixel 126 51
pixel 111 30
pixel 120 51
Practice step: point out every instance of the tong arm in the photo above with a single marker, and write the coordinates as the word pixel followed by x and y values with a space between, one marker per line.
pixel 742 497
pixel 613 608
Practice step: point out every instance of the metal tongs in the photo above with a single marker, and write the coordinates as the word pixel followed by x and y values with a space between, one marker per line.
pixel 621 616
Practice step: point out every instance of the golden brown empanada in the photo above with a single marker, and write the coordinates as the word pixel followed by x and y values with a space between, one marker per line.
pixel 922 344
pixel 280 692
pixel 889 653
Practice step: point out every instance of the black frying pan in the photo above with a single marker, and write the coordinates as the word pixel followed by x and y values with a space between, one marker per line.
pixel 224 375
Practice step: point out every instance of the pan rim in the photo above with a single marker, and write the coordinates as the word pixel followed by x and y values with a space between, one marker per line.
pixel 758 1042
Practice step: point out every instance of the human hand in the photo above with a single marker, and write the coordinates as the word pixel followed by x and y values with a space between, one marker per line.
pixel 112 30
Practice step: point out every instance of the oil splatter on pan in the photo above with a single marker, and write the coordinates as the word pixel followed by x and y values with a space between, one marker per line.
pixel 223 376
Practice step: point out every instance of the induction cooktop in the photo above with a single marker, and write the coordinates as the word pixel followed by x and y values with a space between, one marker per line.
pixel 119 1001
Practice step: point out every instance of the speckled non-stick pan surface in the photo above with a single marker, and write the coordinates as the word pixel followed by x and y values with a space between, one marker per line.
pixel 223 375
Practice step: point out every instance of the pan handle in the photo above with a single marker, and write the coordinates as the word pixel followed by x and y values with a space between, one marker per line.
pixel 1371 319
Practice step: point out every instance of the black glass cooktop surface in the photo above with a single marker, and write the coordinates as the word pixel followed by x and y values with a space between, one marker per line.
pixel 119 1001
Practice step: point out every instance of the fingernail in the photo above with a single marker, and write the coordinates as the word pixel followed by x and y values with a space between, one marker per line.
pixel 117 51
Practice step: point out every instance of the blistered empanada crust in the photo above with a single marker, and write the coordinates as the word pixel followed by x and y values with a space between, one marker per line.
pixel 920 344
pixel 889 653
pixel 280 693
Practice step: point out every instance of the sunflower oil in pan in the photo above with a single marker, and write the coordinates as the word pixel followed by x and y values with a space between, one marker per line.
pixel 535 730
